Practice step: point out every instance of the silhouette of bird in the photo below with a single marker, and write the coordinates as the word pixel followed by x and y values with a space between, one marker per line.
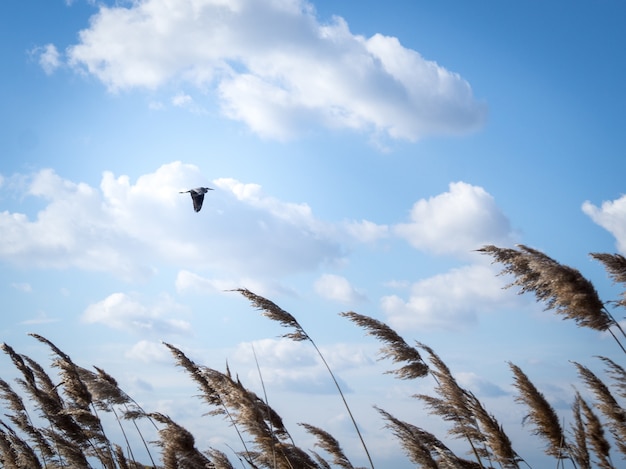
pixel 197 195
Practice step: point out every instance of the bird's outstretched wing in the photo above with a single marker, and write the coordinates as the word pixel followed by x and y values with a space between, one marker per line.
pixel 198 198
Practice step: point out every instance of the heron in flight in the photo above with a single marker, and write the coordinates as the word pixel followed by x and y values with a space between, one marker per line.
pixel 197 195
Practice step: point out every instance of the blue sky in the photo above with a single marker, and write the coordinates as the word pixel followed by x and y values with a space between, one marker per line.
pixel 359 153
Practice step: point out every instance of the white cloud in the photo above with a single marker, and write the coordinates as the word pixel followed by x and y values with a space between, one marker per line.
pixel 612 217
pixel 366 231
pixel 296 366
pixel 130 229
pixel 149 352
pixel 41 318
pixel 189 282
pixel 121 311
pixel 276 67
pixel 449 301
pixel 49 58
pixel 337 288
pixel 456 222
pixel 479 385
pixel 22 286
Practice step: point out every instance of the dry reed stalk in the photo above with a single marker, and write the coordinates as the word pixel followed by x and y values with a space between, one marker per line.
pixel 202 377
pixel 417 443
pixel 424 448
pixel 618 374
pixel 607 404
pixel 495 437
pixel 80 405
pixel 8 455
pixel 122 463
pixel 260 421
pixel 454 406
pixel 179 450
pixel 396 348
pixel 275 313
pixel 615 264
pixel 21 419
pixel 107 394
pixel 329 444
pixel 562 288
pixel 25 455
pixel 541 414
pixel 595 435
pixel 321 462
pixel 44 395
pixel 578 449
pixel 219 459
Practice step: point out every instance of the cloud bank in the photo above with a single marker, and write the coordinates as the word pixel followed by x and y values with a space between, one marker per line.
pixel 275 66
pixel 245 237
pixel 130 229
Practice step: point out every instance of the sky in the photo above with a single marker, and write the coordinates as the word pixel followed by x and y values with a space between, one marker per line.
pixel 359 152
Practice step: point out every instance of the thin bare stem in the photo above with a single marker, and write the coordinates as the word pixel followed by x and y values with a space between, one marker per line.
pixel 275 313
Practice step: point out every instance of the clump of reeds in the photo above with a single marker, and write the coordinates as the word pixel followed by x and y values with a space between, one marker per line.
pixel 275 313
pixel 67 431
pixel 470 420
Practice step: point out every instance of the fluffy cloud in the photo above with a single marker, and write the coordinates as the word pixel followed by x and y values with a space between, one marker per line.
pixel 276 67
pixel 130 229
pixel 449 301
pixel 612 217
pixel 337 288
pixel 456 222
pixel 122 312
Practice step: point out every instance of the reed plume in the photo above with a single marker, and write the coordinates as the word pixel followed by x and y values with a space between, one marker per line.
pixel 329 444
pixel 541 415
pixel 618 374
pixel 21 419
pixel 454 406
pixel 178 446
pixel 495 437
pixel 272 311
pixel 615 264
pixel 578 448
pixel 424 448
pixel 607 404
pixel 560 287
pixel 595 435
pixel 396 348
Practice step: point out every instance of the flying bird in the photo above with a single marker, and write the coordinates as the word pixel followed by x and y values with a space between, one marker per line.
pixel 197 195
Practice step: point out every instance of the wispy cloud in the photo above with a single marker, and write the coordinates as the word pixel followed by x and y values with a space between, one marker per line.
pixel 41 318
pixel 22 286
pixel 277 67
